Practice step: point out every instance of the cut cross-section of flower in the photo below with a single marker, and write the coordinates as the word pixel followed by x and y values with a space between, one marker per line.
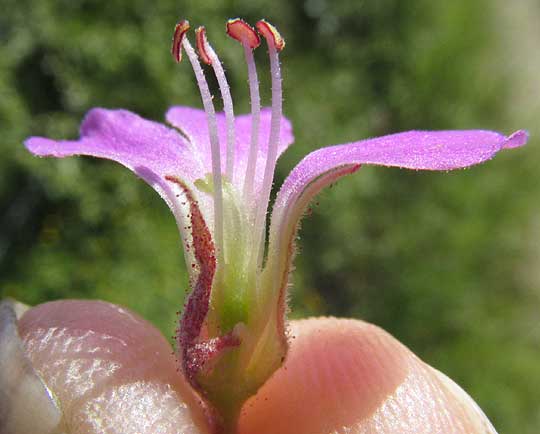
pixel 215 171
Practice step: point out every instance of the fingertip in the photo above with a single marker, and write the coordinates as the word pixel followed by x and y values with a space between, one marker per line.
pixel 350 376
pixel 476 419
pixel 337 373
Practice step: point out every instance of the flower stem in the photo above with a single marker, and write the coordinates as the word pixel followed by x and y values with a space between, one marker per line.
pixel 230 417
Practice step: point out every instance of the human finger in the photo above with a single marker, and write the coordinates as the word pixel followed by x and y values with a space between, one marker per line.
pixel 347 376
pixel 110 371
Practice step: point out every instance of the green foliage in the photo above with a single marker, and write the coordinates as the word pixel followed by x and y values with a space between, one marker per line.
pixel 445 262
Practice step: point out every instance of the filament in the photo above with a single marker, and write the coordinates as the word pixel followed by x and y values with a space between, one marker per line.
pixel 214 145
pixel 208 53
pixel 255 121
pixel 273 142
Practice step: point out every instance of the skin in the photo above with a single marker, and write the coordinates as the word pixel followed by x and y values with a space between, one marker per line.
pixel 113 372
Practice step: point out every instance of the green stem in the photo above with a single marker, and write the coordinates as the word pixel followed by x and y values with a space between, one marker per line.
pixel 230 416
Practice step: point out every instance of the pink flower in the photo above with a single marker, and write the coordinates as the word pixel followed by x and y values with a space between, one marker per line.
pixel 215 171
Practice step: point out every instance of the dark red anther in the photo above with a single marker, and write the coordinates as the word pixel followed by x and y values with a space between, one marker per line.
pixel 271 34
pixel 202 43
pixel 238 29
pixel 179 32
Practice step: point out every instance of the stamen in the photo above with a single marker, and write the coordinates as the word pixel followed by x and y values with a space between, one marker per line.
pixel 210 57
pixel 271 34
pixel 247 36
pixel 179 32
pixel 200 34
pixel 206 97
pixel 238 29
pixel 275 44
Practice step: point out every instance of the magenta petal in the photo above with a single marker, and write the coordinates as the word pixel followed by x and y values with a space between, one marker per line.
pixel 151 150
pixel 193 123
pixel 517 139
pixel 139 144
pixel 419 150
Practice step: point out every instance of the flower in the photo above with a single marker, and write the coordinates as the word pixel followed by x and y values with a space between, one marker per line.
pixel 215 171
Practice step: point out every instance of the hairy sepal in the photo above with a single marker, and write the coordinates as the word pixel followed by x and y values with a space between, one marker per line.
pixel 284 227
pixel 196 349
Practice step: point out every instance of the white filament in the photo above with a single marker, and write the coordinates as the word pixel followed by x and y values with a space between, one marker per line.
pixel 214 145
pixel 273 143
pixel 255 122
pixel 227 107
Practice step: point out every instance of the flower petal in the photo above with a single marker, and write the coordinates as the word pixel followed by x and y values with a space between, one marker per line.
pixel 193 123
pixel 151 150
pixel 418 150
pixel 130 140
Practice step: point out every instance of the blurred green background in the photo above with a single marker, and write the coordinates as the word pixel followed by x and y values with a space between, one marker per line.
pixel 447 262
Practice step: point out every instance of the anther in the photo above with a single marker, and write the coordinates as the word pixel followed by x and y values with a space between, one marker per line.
pixel 202 43
pixel 179 32
pixel 238 29
pixel 242 32
pixel 271 34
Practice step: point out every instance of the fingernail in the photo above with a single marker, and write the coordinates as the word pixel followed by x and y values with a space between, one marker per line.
pixel 479 421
